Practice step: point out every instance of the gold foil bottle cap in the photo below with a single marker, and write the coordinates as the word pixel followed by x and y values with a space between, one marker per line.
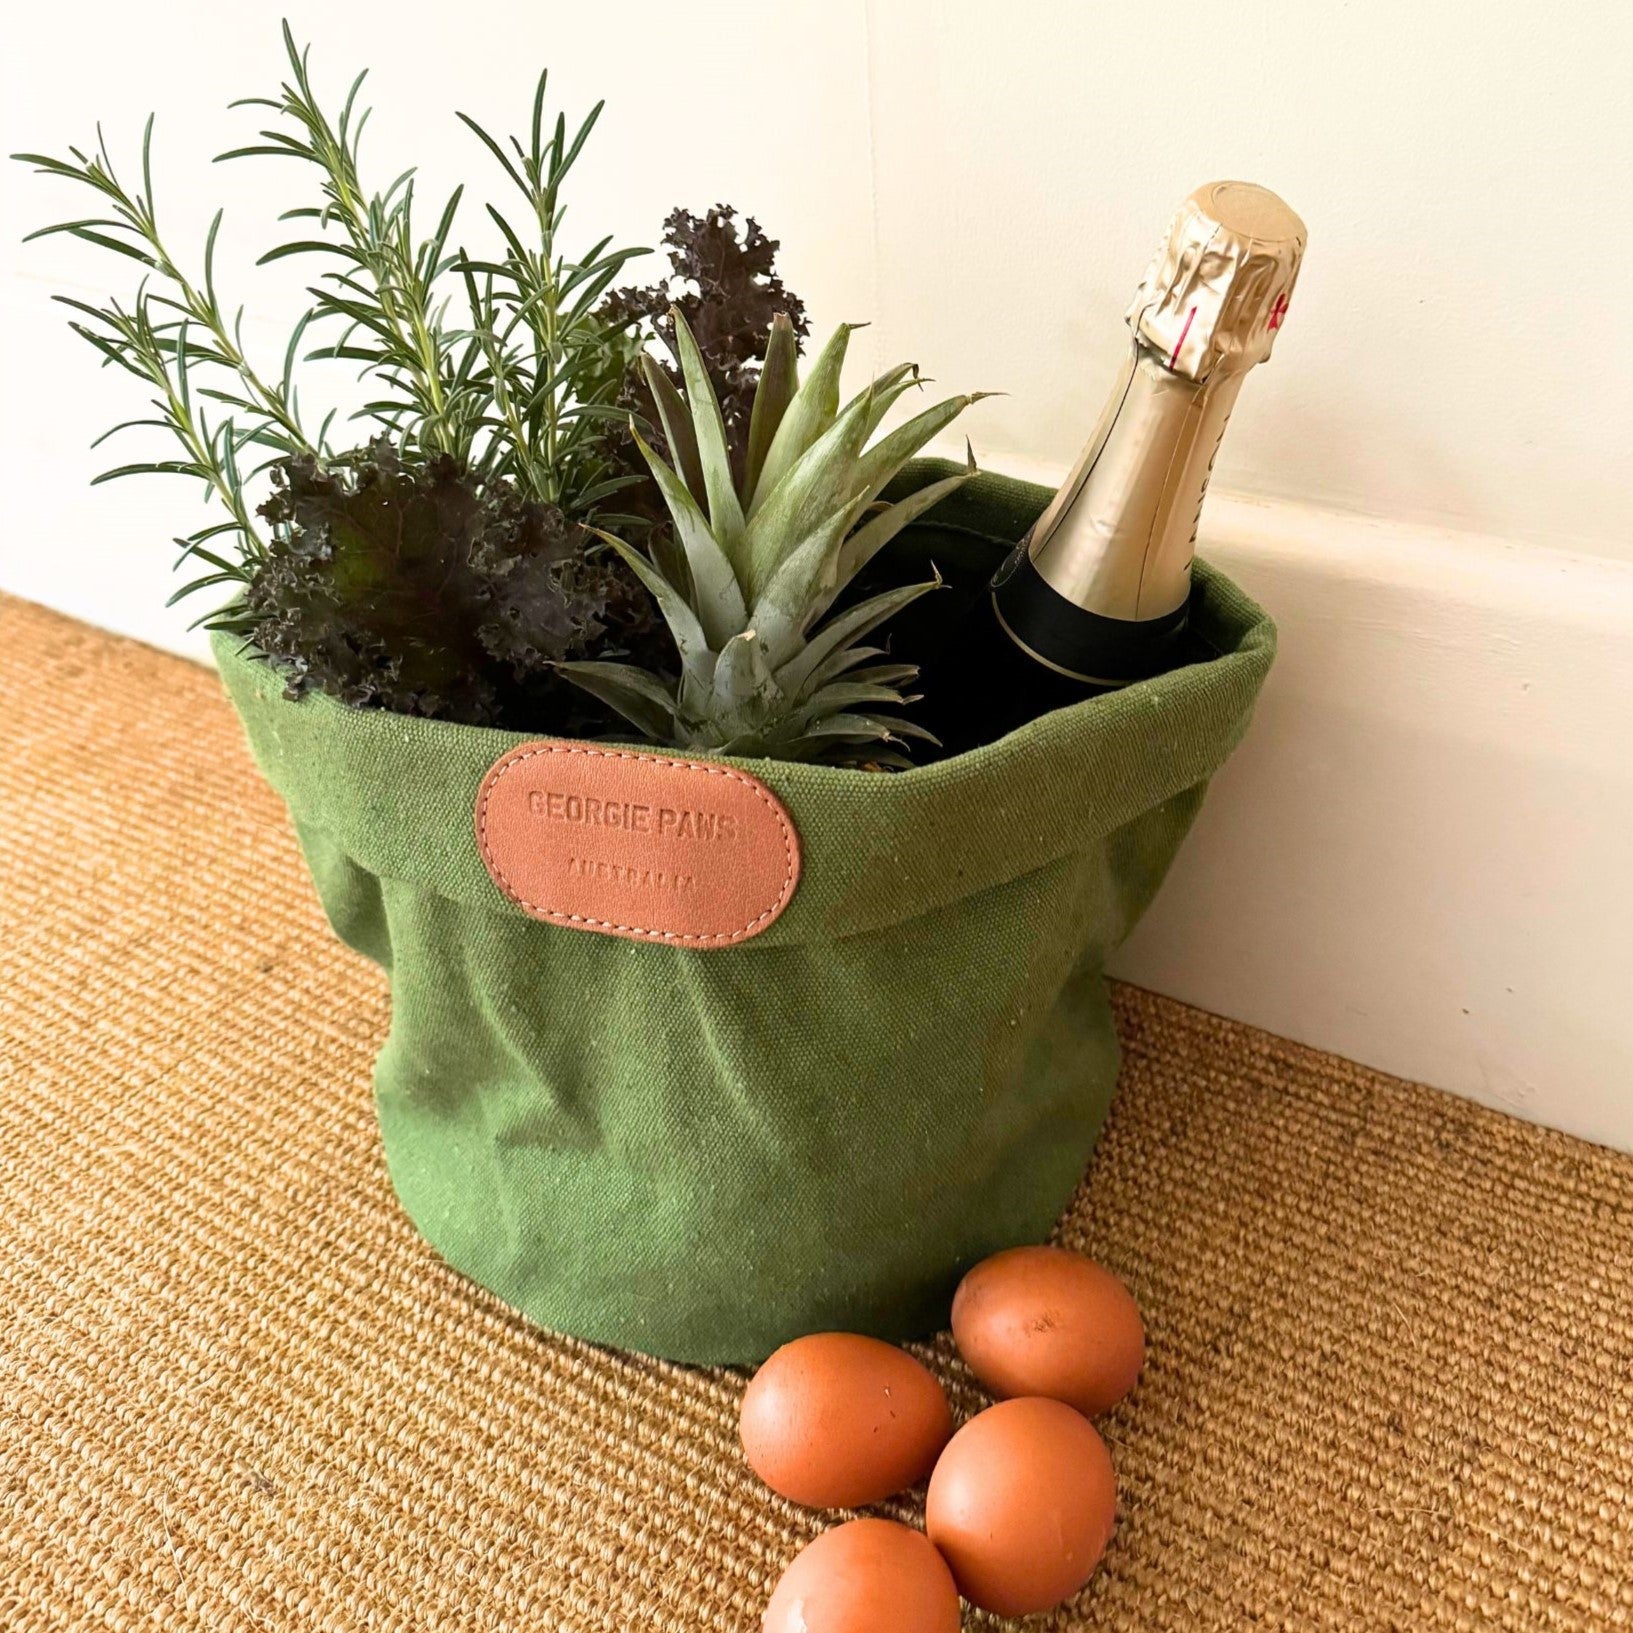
pixel 1217 292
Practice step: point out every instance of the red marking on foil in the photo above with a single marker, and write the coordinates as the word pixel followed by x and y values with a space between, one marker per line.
pixel 1173 356
pixel 1278 311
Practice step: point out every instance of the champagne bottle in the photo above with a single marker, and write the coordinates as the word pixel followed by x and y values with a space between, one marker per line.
pixel 1097 593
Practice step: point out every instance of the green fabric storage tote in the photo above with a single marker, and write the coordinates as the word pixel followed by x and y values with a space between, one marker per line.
pixel 703 1153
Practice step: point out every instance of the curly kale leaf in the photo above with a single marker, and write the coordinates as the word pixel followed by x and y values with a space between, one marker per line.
pixel 725 284
pixel 420 589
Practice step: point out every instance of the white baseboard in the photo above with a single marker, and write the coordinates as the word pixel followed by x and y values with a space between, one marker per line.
pixel 1422 857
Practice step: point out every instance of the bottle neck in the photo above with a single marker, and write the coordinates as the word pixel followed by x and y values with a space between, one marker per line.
pixel 1119 536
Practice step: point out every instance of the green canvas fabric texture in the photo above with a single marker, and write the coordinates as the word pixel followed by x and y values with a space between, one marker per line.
pixel 702 1154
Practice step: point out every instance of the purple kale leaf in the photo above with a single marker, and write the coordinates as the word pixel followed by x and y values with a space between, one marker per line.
pixel 726 285
pixel 425 591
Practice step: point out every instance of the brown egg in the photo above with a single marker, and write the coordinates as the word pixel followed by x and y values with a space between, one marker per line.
pixel 836 1420
pixel 1022 1505
pixel 865 1577
pixel 1045 1321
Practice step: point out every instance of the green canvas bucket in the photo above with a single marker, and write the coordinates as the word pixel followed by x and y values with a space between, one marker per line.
pixel 703 1153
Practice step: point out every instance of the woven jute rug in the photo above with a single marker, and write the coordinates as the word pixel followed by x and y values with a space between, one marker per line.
pixel 1391 1367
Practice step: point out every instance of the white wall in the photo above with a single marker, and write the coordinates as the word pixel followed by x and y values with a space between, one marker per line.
pixel 986 183
pixel 1418 859
pixel 1460 348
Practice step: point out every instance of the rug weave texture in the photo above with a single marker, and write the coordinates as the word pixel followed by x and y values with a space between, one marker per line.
pixel 1391 1367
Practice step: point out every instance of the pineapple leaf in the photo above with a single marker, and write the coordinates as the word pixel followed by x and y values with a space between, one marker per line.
pixel 896 729
pixel 869 539
pixel 884 674
pixel 796 676
pixel 709 426
pixel 696 655
pixel 891 452
pixel 670 560
pixel 677 427
pixel 846 695
pixel 857 728
pixel 637 694
pixel 808 416
pixel 845 660
pixel 804 585
pixel 745 694
pixel 715 597
pixel 779 380
pixel 888 387
pixel 811 494
pixel 755 679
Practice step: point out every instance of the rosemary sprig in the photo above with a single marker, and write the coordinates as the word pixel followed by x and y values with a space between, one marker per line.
pixel 162 338
pixel 386 297
pixel 132 230
pixel 508 367
pixel 162 355
pixel 555 363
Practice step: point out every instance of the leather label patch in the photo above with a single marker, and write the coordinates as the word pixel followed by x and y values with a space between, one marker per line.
pixel 638 845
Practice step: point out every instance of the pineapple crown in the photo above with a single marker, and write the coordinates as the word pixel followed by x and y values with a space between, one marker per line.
pixel 755 562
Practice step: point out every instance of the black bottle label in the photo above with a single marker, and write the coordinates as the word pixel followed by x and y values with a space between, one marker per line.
pixel 1075 642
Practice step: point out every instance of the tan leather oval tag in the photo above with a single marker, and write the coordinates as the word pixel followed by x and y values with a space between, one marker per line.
pixel 638 845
